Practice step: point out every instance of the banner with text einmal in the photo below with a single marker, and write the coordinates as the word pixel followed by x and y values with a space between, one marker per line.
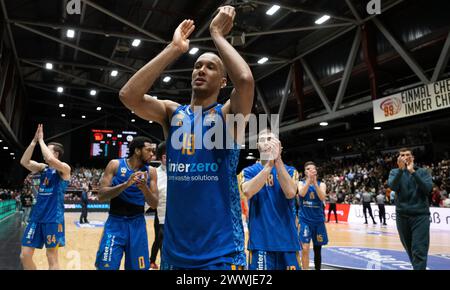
pixel 420 100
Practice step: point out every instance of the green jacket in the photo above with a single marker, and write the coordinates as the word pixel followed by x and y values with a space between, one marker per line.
pixel 412 191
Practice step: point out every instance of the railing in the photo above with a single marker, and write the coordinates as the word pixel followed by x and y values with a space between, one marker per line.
pixel 7 208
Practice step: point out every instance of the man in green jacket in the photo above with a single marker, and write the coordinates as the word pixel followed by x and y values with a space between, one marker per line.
pixel 412 186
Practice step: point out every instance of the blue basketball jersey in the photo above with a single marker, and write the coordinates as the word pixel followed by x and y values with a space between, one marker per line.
pixel 311 207
pixel 49 207
pixel 272 216
pixel 203 223
pixel 132 194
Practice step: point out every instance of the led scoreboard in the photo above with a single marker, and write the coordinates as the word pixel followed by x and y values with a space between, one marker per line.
pixel 110 144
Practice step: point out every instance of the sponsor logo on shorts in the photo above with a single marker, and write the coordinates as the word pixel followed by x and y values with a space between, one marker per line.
pixel 31 231
pixel 262 260
pixel 107 253
pixel 305 232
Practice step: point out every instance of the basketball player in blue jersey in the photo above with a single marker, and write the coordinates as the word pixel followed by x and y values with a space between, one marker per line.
pixel 311 215
pixel 46 223
pixel 127 183
pixel 271 187
pixel 203 227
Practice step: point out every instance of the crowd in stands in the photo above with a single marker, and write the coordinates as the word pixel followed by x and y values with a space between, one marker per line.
pixel 373 143
pixel 349 178
pixel 83 179
pixel 441 180
pixel 6 194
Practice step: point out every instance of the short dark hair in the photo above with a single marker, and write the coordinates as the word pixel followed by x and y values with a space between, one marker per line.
pixel 403 149
pixel 138 143
pixel 222 65
pixel 161 150
pixel 57 147
pixel 309 163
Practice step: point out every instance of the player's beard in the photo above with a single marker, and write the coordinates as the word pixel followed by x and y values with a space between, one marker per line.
pixel 145 162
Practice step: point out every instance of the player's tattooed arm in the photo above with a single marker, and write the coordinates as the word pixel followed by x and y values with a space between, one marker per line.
pixel 108 192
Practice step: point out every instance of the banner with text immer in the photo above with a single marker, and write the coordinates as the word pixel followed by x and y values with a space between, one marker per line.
pixel 419 100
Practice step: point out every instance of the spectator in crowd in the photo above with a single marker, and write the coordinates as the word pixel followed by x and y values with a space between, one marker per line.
pixel 446 203
pixel 443 191
pixel 5 194
pixel 26 200
pixel 387 193
pixel 436 197
pixel 381 198
pixel 341 196
pixel 392 197
pixel 18 202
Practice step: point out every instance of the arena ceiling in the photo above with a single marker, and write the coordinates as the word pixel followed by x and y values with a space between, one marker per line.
pixel 405 41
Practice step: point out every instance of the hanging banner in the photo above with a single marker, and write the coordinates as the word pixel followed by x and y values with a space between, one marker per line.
pixel 416 101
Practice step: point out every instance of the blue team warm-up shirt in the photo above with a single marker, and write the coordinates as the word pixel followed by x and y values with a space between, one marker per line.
pixel 272 216
pixel 311 207
pixel 49 207
pixel 132 194
pixel 203 223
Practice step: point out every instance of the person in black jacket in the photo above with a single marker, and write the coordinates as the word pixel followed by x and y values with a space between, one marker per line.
pixel 84 205
pixel 412 186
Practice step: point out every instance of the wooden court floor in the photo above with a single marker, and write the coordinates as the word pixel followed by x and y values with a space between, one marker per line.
pixel 82 243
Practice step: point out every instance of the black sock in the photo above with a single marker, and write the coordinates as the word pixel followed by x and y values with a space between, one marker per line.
pixel 317 257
